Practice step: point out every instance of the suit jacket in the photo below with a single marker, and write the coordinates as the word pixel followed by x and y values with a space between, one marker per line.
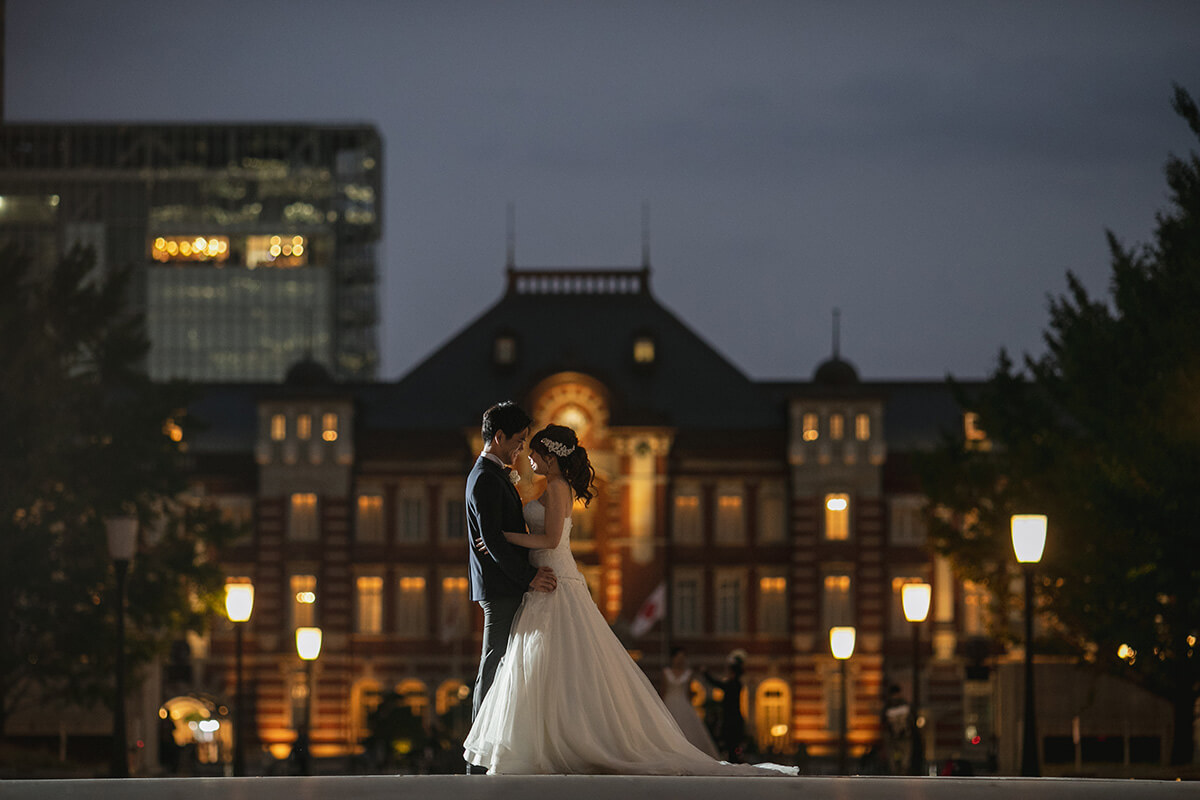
pixel 493 506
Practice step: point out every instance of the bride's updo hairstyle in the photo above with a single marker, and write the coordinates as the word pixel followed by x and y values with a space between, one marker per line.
pixel 561 442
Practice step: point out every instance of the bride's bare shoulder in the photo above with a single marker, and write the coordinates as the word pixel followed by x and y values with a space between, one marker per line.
pixel 558 489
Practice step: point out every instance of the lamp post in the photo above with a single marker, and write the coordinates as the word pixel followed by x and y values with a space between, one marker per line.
pixel 239 602
pixel 841 643
pixel 308 647
pixel 121 533
pixel 1029 539
pixel 915 597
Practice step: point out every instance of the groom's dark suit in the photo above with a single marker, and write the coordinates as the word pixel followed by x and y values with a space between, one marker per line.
pixel 500 576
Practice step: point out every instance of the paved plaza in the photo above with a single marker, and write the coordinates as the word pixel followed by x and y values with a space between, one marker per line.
pixel 595 787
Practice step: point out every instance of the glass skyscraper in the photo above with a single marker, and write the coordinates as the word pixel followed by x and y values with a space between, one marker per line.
pixel 254 244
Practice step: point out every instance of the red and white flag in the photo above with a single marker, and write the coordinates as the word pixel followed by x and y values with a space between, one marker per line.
pixel 651 611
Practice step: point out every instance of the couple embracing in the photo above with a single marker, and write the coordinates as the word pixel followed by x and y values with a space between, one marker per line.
pixel 556 692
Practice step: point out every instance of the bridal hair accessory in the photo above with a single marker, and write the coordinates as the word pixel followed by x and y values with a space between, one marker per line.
pixel 558 448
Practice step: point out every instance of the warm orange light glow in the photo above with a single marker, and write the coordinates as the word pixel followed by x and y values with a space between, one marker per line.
pixel 308 643
pixel 836 503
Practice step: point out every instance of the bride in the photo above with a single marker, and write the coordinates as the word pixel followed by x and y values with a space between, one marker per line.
pixel 567 698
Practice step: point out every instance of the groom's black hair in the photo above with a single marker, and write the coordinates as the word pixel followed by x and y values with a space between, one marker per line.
pixel 507 418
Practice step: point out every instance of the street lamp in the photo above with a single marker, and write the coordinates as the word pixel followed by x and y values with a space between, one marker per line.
pixel 239 602
pixel 1029 539
pixel 121 533
pixel 841 643
pixel 915 597
pixel 308 647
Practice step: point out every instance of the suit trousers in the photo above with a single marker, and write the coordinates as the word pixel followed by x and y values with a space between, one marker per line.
pixel 497 622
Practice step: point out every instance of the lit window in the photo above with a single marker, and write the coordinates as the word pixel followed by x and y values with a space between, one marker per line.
pixel 643 350
pixel 836 603
pixel 810 427
pixel 304 426
pixel 862 427
pixel 772 713
pixel 456 622
pixel 369 589
pixel 190 248
pixel 772 605
pixel 329 427
pixel 837 517
pixel 304 601
pixel 976 602
pixel 278 427
pixel 302 517
pixel 976 436
pixel 731 520
pixel 837 426
pixel 276 251
pixel 412 614
pixel 505 350
pixel 370 518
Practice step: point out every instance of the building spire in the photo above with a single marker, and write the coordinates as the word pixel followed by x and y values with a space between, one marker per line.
pixel 510 259
pixel 645 234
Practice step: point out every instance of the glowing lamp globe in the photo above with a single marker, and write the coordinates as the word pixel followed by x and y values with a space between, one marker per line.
pixel 122 537
pixel 841 642
pixel 239 601
pixel 915 597
pixel 1029 537
pixel 308 643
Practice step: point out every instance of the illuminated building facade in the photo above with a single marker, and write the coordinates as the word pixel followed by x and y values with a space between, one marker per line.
pixel 254 245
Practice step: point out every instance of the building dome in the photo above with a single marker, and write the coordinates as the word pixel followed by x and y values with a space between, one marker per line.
pixel 308 372
pixel 835 372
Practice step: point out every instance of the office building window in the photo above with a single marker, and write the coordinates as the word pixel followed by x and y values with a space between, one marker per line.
pixel 837 517
pixel 304 601
pixel 369 593
pixel 731 601
pixel 369 524
pixel 772 603
pixel 302 517
pixel 412 609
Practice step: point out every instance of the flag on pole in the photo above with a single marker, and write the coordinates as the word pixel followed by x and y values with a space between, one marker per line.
pixel 651 611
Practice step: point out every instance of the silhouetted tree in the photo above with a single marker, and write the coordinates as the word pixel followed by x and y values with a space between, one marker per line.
pixel 1102 434
pixel 86 435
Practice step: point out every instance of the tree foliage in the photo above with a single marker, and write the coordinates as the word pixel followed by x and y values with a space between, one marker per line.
pixel 1102 434
pixel 88 435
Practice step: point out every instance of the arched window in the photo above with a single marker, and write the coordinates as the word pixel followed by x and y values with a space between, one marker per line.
pixel 772 706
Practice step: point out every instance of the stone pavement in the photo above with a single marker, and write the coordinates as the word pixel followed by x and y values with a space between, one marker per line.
pixel 595 787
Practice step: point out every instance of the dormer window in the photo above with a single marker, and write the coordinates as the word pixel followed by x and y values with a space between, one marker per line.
pixel 643 350
pixel 504 351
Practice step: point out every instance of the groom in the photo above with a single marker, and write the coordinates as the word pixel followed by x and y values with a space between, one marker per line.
pixel 500 572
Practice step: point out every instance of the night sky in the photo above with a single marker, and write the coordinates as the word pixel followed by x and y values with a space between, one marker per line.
pixel 932 169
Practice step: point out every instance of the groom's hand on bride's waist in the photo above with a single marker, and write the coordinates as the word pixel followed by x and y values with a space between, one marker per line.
pixel 544 581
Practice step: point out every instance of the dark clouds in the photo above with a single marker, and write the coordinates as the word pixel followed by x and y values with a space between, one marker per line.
pixel 931 168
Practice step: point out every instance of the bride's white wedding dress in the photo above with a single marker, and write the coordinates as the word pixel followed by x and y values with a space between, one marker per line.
pixel 568 699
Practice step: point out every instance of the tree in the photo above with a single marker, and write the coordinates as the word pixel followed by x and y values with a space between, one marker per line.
pixel 1102 434
pixel 88 435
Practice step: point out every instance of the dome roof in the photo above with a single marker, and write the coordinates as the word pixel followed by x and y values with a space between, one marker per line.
pixel 308 372
pixel 835 372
